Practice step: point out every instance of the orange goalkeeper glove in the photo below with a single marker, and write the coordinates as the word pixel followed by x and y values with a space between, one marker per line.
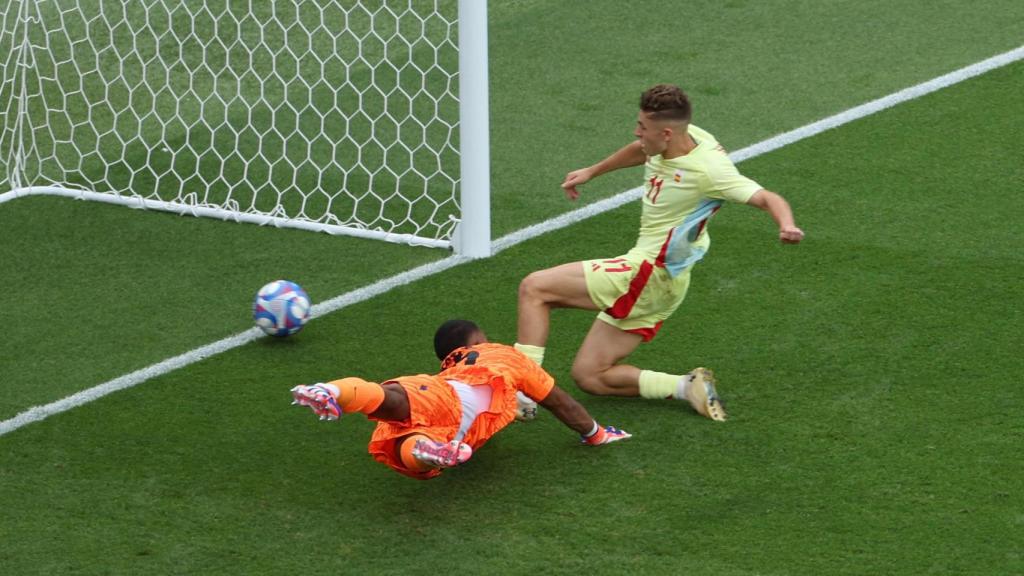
pixel 604 435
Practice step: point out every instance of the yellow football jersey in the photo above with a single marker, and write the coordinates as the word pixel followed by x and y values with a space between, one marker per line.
pixel 680 197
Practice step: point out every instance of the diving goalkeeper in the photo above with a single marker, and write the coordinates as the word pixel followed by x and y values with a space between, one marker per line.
pixel 426 423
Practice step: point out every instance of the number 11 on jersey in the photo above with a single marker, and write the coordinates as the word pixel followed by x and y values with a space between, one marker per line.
pixel 654 188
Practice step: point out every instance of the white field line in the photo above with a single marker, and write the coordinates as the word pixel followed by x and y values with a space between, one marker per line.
pixel 38 413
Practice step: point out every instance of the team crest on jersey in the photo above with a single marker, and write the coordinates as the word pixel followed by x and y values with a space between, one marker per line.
pixel 678 176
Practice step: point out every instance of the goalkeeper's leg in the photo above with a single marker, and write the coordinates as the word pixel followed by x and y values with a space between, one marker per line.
pixel 419 452
pixel 331 400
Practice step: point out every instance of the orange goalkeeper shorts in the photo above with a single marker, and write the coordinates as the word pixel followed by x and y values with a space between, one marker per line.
pixel 436 412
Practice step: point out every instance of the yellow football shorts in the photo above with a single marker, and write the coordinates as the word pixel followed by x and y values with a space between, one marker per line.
pixel 634 294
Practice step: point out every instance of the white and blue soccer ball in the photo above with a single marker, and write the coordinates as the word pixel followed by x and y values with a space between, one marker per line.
pixel 281 308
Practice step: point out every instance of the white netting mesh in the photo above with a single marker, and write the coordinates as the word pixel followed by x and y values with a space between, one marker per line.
pixel 8 95
pixel 337 112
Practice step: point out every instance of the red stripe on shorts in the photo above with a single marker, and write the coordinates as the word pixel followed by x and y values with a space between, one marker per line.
pixel 622 307
pixel 646 333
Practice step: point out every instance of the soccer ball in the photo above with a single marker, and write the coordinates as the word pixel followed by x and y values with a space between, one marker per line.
pixel 281 308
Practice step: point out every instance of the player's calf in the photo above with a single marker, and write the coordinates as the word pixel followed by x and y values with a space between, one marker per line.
pixel 618 380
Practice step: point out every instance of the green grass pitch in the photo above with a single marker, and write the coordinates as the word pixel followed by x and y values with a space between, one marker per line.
pixel 872 373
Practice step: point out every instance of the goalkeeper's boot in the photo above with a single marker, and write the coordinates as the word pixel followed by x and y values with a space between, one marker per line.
pixel 441 454
pixel 702 395
pixel 526 409
pixel 319 399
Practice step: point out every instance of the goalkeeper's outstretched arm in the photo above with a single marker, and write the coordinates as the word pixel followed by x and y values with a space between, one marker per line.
pixel 575 416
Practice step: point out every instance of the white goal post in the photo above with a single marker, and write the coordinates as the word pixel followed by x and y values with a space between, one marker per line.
pixel 367 118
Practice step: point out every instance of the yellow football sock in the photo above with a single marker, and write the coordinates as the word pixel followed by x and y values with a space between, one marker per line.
pixel 357 395
pixel 535 353
pixel 659 385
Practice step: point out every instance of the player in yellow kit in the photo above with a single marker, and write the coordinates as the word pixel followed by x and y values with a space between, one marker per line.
pixel 687 177
pixel 429 422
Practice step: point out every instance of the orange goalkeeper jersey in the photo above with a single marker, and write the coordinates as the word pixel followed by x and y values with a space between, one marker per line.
pixel 482 363
pixel 435 409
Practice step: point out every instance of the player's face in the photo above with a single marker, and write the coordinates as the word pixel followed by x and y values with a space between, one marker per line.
pixel 653 134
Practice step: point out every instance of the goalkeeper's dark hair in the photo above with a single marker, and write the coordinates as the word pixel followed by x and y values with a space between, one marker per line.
pixel 451 335
pixel 666 102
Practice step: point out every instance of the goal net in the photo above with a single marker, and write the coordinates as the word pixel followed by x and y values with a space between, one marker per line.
pixel 346 116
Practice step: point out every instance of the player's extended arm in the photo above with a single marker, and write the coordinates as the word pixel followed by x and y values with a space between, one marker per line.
pixel 629 155
pixel 575 416
pixel 780 211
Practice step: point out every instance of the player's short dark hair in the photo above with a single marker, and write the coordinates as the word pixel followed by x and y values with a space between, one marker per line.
pixel 451 335
pixel 666 102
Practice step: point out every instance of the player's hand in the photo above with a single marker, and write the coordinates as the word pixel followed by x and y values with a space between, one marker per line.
pixel 606 435
pixel 574 179
pixel 790 235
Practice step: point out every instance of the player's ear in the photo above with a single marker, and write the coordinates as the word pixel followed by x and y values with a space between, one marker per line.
pixel 674 128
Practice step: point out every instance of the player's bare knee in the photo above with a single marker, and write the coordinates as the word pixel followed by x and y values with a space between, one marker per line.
pixel 588 380
pixel 530 288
